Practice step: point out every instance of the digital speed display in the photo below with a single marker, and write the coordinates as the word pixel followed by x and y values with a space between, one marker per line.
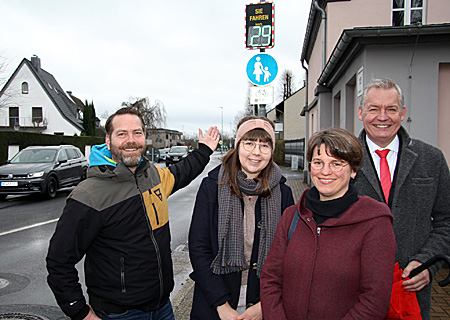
pixel 259 25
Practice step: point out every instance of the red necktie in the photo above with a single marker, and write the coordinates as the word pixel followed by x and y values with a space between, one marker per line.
pixel 385 175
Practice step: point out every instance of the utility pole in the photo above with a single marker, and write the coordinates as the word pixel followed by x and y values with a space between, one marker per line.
pixel 221 133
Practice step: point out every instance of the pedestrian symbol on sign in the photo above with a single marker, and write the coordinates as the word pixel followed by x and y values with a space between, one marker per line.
pixel 262 69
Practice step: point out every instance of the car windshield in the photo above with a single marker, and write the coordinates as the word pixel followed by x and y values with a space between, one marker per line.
pixel 178 150
pixel 34 156
pixel 163 151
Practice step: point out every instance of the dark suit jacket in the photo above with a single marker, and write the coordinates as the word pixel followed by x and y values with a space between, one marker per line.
pixel 419 201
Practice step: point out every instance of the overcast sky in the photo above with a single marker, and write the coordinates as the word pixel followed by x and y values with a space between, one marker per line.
pixel 190 55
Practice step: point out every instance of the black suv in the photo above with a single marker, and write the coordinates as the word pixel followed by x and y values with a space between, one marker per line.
pixel 176 154
pixel 42 170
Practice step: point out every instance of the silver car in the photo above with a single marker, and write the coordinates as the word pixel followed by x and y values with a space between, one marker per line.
pixel 42 170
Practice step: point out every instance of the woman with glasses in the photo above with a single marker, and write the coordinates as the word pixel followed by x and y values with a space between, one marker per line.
pixel 337 262
pixel 235 216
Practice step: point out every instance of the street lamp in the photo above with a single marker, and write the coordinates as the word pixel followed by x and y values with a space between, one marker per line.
pixel 221 145
pixel 231 137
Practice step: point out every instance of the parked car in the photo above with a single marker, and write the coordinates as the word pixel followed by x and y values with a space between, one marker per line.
pixel 163 154
pixel 176 154
pixel 42 170
pixel 152 154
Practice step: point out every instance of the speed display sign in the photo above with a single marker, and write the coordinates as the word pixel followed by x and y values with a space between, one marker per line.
pixel 259 25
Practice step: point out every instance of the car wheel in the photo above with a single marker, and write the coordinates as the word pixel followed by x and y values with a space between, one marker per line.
pixel 51 187
pixel 3 197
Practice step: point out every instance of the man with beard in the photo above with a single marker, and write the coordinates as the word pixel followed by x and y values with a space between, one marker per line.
pixel 118 219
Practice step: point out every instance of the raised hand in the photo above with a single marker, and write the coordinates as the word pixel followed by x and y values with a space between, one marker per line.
pixel 211 138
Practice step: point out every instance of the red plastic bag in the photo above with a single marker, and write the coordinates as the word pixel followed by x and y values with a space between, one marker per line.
pixel 404 304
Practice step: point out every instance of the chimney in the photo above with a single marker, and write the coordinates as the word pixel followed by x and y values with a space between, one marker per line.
pixel 36 62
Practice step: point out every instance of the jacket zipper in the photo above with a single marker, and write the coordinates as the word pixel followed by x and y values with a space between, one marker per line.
pixel 155 244
pixel 156 211
pixel 122 274
pixel 318 230
pixel 318 235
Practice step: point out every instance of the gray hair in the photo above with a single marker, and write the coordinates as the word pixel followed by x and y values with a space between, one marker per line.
pixel 383 84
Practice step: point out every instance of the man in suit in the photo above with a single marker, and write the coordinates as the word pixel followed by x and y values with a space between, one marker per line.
pixel 413 179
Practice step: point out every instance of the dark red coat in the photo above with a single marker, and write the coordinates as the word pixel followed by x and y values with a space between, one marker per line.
pixel 341 269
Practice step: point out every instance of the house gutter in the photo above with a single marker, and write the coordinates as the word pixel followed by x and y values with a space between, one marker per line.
pixel 348 35
pixel 311 31
pixel 324 33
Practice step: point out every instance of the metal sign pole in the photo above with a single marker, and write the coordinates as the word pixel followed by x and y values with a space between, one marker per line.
pixel 260 34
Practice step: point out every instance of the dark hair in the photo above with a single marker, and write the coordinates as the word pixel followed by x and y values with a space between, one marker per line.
pixel 125 110
pixel 232 164
pixel 339 143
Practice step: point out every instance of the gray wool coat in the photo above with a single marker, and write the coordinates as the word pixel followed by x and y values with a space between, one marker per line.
pixel 419 200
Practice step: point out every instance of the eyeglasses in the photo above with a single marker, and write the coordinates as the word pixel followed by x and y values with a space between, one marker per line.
pixel 335 166
pixel 249 146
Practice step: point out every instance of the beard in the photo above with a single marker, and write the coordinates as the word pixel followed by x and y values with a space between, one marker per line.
pixel 118 154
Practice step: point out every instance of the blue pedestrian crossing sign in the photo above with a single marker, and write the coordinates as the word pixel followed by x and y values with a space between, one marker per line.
pixel 262 69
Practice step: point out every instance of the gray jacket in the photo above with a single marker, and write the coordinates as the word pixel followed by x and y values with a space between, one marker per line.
pixel 419 201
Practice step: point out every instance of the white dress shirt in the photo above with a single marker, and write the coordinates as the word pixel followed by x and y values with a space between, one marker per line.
pixel 391 157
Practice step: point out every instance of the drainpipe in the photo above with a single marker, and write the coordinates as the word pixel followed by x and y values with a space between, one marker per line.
pixel 409 93
pixel 324 33
pixel 306 83
pixel 305 167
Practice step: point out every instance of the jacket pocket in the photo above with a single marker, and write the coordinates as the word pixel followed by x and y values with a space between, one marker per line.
pixel 422 181
pixel 122 275
pixel 156 207
pixel 156 214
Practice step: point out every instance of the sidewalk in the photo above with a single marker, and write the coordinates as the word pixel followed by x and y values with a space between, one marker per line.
pixel 184 288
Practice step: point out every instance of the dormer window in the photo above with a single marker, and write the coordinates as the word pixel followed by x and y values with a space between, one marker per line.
pixel 24 87
pixel 407 12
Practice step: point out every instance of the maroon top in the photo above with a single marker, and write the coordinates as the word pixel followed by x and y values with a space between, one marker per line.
pixel 341 269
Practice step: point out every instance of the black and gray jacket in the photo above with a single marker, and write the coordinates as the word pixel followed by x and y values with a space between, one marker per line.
pixel 119 221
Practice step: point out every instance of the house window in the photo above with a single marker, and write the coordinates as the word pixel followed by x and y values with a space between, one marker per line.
pixel 13 116
pixel 406 12
pixel 24 87
pixel 36 113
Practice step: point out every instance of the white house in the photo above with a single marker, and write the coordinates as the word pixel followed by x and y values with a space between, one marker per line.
pixel 32 100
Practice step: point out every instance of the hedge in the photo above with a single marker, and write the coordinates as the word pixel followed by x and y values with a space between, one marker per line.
pixel 278 155
pixel 25 139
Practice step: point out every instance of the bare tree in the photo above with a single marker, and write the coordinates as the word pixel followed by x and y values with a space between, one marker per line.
pixel 6 95
pixel 286 85
pixel 154 115
pixel 249 109
pixel 104 115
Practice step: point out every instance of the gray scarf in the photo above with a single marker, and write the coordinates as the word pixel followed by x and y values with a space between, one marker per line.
pixel 230 257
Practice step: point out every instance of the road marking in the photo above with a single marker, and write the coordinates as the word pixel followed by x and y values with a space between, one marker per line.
pixel 28 227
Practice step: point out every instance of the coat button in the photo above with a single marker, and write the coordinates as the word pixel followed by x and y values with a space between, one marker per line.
pixel 259 224
pixel 309 219
pixel 255 266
